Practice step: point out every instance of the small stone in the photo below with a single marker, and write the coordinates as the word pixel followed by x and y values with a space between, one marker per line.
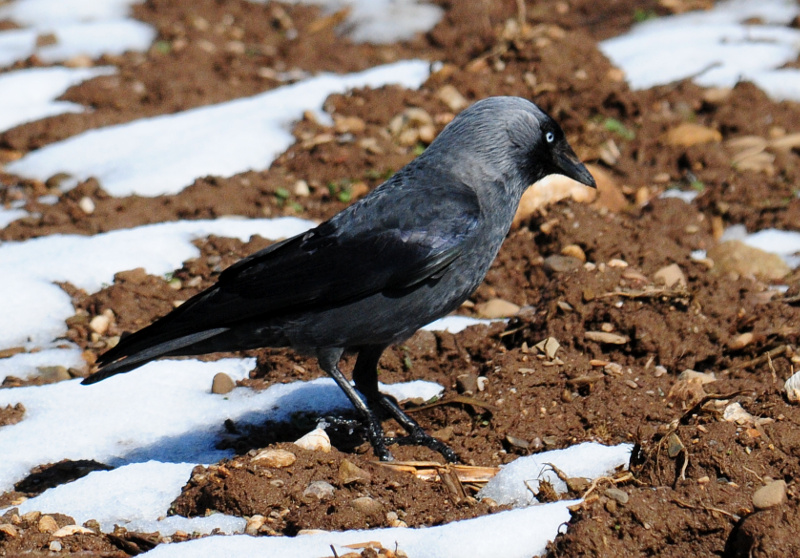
pixel 68 530
pixel 8 531
pixel 560 264
pixel 52 374
pixel 367 505
pixel 548 346
pixel 693 376
pixel 549 190
pixel 222 383
pixel 605 337
pixel 100 323
pixel 450 96
pixel 671 276
pixel 741 341
pixel 348 124
pixel 771 495
pixel 674 445
pixel 320 490
pixel 496 308
pixel 611 506
pixel 792 388
pixel 254 523
pixel 31 516
pixel 87 205
pixel 79 61
pixel 736 413
pixel 316 440
pixel 734 256
pixel 467 383
pixel 688 134
pixel 517 442
pixel 616 262
pixel 574 251
pixel 620 496
pixel 276 458
pixel 47 524
pixel 350 473
pixel 55 546
pixel 301 189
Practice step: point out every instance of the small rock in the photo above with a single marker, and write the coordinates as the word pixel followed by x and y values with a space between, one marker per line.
pixel 693 376
pixel 671 276
pixel 316 440
pixel 609 193
pixel 561 264
pixel 734 256
pixel 496 308
pixel 620 496
pixel 254 523
pixel 55 546
pixel 467 383
pixel 47 524
pixel 320 490
pixel 770 495
pixel 51 374
pixel 87 205
pixel 8 531
pixel 277 458
pixel 741 341
pixel 605 337
pixel 549 190
pixel 688 134
pixel 348 124
pixel 350 473
pixel 517 442
pixel 450 96
pixel 618 263
pixel 301 189
pixel 68 530
pixel 222 383
pixel 367 505
pixel 100 323
pixel 792 388
pixel 31 516
pixel 736 413
pixel 574 251
pixel 549 347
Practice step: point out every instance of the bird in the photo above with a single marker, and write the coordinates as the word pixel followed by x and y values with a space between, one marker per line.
pixel 408 253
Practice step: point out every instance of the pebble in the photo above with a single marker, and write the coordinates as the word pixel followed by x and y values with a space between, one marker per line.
pixel 693 376
pixel 734 256
pixel 620 496
pixel 100 323
pixel 222 383
pixel 549 190
pixel 606 337
pixel 467 383
pixel 367 505
pixel 254 524
pixel 55 546
pixel 47 524
pixel 320 490
pixel 688 134
pixel 87 205
pixel 741 341
pixel 348 124
pixel 671 276
pixel 9 531
pixel 560 264
pixel 301 189
pixel 316 440
pixel 350 473
pixel 276 458
pixel 736 413
pixel 450 96
pixel 770 495
pixel 496 308
pixel 68 530
pixel 792 388
pixel 574 251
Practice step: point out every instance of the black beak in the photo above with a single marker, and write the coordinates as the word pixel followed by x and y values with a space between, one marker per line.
pixel 567 163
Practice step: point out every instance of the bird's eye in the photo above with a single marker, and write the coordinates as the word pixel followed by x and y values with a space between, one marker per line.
pixel 550 137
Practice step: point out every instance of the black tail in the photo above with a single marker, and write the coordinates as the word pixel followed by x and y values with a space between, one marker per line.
pixel 135 350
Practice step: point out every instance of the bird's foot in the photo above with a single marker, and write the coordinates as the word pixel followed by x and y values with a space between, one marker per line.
pixel 371 427
pixel 419 437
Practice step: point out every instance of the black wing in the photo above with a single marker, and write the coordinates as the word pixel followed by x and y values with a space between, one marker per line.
pixel 397 237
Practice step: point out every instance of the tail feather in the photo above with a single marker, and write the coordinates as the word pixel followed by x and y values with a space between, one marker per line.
pixel 124 358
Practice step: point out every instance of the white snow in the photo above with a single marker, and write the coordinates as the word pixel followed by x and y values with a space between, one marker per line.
pixel 79 27
pixel 28 95
pixel 164 154
pixel 381 21
pixel 716 48
pixel 30 268
pixel 515 482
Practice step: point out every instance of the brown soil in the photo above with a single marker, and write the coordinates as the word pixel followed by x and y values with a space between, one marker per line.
pixel 695 501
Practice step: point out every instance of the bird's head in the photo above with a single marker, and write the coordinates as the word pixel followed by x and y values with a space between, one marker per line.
pixel 512 136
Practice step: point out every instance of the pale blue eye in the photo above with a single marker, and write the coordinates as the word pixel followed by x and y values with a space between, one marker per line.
pixel 550 137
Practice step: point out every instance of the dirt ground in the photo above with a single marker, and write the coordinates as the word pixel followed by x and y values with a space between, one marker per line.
pixel 591 276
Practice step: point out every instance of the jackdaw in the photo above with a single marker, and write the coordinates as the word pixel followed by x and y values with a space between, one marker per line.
pixel 403 256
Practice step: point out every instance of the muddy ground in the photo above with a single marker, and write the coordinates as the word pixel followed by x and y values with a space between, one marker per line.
pixel 588 275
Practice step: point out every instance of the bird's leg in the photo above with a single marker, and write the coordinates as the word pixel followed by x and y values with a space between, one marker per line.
pixel 365 376
pixel 329 362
